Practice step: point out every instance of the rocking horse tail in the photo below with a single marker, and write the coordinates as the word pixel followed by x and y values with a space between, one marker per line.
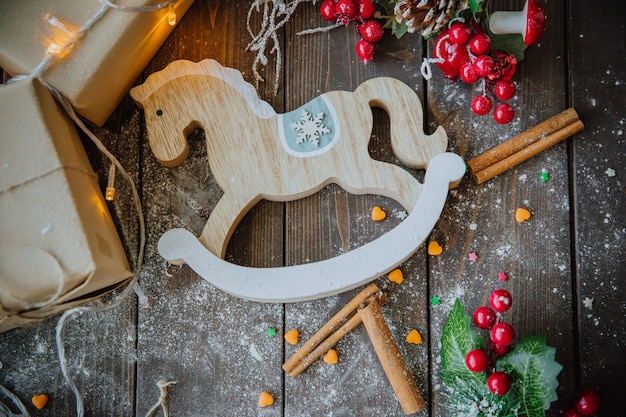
pixel 405 113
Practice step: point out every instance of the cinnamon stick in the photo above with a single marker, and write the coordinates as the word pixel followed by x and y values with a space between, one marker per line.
pixel 390 357
pixel 330 341
pixel 307 353
pixel 524 146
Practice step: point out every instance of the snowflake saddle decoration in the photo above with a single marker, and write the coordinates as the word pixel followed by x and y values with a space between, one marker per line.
pixel 310 128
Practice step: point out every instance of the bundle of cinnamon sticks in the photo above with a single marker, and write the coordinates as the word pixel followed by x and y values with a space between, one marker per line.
pixel 524 146
pixel 366 309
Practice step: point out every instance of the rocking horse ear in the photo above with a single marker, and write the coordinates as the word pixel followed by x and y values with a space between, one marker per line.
pixel 138 94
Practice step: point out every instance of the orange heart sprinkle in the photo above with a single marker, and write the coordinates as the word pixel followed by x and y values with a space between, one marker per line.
pixel 331 357
pixel 378 214
pixel 266 399
pixel 40 401
pixel 292 337
pixel 521 215
pixel 414 337
pixel 434 248
pixel 396 276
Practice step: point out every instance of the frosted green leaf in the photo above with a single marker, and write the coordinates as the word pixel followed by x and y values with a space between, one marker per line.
pixel 456 340
pixel 533 364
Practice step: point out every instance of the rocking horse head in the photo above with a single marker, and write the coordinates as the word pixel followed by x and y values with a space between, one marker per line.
pixel 168 121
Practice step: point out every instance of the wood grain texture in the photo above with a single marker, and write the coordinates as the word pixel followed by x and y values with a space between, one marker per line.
pixel 599 198
pixel 567 254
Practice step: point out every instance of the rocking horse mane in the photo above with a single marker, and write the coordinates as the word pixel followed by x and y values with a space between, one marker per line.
pixel 208 67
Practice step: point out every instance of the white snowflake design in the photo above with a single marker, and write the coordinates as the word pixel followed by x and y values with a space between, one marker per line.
pixel 310 128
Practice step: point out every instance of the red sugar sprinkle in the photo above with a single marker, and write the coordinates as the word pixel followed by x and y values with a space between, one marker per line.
pixel 502 276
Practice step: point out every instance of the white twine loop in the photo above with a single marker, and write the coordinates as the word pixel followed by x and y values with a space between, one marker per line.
pixel 162 401
pixel 425 68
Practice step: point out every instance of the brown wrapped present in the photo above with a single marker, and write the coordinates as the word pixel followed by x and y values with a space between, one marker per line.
pixel 58 245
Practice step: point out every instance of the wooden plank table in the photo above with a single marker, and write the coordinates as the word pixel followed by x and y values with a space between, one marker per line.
pixel 570 252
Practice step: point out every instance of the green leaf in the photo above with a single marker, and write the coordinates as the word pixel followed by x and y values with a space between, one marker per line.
pixel 513 44
pixel 456 340
pixel 399 29
pixel 473 398
pixel 476 6
pixel 532 363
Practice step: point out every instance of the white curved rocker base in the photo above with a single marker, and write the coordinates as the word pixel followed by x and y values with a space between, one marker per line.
pixel 332 276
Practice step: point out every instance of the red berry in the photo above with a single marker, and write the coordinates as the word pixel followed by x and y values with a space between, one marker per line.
pixel 327 10
pixel 459 32
pixel 505 66
pixel 371 30
pixel 499 383
pixel 588 403
pixel 502 334
pixel 503 113
pixel 572 412
pixel 467 73
pixel 346 11
pixel 504 89
pixel 365 51
pixel 500 300
pixel 452 54
pixel 480 44
pixel 477 360
pixel 481 105
pixel 367 9
pixel 484 65
pixel 484 317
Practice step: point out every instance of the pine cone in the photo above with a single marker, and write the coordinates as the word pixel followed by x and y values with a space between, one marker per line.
pixel 429 16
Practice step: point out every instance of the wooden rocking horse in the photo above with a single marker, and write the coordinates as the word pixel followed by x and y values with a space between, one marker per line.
pixel 255 153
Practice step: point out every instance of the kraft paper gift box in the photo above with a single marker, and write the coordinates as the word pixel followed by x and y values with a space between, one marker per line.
pixel 100 69
pixel 58 245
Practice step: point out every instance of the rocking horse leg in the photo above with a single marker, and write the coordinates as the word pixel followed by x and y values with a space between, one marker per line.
pixel 222 222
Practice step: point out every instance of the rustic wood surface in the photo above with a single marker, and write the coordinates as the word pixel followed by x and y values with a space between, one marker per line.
pixel 571 251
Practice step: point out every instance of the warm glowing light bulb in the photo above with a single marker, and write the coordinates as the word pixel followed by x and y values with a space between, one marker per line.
pixel 53 49
pixel 64 35
pixel 109 194
pixel 171 15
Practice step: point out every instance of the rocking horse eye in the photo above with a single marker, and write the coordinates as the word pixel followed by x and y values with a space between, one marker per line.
pixel 159 112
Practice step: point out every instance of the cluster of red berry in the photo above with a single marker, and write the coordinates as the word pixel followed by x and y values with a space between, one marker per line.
pixel 361 12
pixel 502 336
pixel 587 404
pixel 464 51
